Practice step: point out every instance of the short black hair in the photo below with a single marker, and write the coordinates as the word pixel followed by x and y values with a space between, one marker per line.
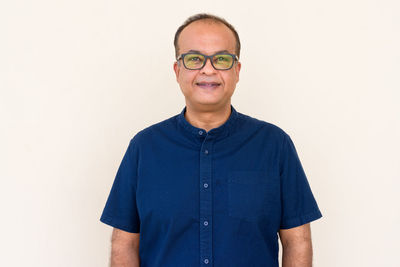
pixel 210 17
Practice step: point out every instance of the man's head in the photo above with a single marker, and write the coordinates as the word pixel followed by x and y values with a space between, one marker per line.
pixel 207 34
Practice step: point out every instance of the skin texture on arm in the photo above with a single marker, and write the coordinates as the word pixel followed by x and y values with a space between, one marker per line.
pixel 124 249
pixel 297 246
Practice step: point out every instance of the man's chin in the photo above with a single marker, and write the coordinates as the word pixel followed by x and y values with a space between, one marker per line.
pixel 207 102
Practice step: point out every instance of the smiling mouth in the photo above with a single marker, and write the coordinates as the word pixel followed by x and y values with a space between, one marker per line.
pixel 208 85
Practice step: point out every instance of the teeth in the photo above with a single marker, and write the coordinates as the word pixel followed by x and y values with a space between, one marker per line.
pixel 207 84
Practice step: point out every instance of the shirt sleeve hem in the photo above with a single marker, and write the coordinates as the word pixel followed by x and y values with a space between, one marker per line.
pixel 294 222
pixel 109 221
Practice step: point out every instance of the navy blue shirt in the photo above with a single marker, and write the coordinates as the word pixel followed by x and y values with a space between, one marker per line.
pixel 215 198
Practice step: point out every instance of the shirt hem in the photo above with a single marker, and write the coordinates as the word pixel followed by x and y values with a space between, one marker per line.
pixel 109 221
pixel 294 222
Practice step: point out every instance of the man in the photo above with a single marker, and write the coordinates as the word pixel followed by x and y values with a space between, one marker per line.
pixel 210 186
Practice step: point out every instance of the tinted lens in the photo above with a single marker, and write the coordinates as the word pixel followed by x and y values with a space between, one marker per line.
pixel 222 61
pixel 193 61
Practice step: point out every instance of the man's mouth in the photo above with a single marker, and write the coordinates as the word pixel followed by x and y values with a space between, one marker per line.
pixel 208 85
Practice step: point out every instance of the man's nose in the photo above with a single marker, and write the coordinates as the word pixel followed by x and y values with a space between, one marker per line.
pixel 208 68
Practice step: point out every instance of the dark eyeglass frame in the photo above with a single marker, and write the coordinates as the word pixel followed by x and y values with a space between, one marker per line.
pixel 182 56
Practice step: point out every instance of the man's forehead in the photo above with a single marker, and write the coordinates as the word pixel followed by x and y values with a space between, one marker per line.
pixel 207 38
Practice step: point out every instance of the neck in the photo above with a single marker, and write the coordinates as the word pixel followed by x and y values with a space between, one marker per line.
pixel 207 119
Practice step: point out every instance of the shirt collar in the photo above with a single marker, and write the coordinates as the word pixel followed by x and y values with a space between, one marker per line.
pixel 219 132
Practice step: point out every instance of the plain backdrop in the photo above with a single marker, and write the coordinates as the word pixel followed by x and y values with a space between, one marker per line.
pixel 79 78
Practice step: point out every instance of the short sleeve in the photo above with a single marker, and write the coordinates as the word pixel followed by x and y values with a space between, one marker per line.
pixel 298 203
pixel 120 210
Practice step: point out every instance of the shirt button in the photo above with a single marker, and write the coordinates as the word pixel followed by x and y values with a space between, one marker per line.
pixel 205 185
pixel 206 261
pixel 206 151
pixel 205 223
pixel 200 132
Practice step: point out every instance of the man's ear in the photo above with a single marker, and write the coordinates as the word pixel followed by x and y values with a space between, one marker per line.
pixel 176 69
pixel 237 68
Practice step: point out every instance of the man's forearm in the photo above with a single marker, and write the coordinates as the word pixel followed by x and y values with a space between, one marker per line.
pixel 124 257
pixel 297 254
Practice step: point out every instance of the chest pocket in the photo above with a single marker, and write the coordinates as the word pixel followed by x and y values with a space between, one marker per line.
pixel 250 195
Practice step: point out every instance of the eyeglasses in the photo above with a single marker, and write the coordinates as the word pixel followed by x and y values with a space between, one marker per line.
pixel 196 61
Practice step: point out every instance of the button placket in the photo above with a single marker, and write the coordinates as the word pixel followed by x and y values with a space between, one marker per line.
pixel 206 200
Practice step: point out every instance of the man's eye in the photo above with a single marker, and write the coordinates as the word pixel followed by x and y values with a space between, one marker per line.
pixel 221 58
pixel 195 58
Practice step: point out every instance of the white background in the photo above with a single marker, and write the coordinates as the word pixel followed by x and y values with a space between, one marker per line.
pixel 79 78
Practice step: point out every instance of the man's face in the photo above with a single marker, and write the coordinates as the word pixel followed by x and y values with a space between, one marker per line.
pixel 207 38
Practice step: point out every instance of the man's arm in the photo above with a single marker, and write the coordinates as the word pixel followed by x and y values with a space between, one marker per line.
pixel 124 249
pixel 297 246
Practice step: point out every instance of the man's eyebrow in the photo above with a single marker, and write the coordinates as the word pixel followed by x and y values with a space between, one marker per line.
pixel 197 51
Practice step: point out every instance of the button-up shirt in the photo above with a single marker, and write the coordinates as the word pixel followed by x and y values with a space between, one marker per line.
pixel 215 198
